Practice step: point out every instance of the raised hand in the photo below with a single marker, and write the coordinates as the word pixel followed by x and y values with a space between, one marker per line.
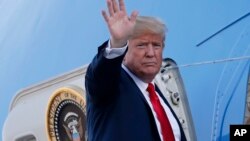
pixel 120 25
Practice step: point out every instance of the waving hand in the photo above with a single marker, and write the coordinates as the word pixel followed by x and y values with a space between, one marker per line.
pixel 120 25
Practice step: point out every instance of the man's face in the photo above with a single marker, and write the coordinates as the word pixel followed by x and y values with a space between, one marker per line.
pixel 144 56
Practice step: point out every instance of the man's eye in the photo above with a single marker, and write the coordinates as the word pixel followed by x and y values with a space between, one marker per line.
pixel 141 45
pixel 157 45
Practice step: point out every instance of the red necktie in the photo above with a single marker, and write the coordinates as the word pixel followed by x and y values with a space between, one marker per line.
pixel 166 129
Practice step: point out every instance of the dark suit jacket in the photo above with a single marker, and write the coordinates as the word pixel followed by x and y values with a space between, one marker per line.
pixel 116 108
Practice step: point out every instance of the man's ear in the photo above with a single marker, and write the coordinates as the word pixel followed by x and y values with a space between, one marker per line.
pixel 124 58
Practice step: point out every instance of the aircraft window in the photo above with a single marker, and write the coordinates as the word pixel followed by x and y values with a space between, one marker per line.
pixel 27 138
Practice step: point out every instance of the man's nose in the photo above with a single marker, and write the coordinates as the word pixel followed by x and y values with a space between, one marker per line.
pixel 150 50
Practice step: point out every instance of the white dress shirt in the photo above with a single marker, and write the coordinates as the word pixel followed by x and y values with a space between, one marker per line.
pixel 111 53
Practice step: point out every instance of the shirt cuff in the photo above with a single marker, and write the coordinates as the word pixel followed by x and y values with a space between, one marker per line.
pixel 111 53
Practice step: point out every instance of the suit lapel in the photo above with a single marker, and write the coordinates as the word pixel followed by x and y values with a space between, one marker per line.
pixel 135 88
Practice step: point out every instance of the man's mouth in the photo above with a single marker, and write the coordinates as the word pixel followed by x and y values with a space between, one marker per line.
pixel 149 64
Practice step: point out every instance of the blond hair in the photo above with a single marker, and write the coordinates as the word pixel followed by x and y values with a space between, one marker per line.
pixel 152 25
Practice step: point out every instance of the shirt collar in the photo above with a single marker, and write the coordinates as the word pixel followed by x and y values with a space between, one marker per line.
pixel 142 85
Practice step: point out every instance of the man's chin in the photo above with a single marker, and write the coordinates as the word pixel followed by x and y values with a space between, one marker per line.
pixel 151 71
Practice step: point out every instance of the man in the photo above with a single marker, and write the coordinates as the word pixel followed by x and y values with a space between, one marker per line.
pixel 122 104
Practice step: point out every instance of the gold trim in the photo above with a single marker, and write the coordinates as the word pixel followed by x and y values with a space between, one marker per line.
pixel 57 97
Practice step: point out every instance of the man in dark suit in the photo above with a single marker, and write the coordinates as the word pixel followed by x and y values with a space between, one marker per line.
pixel 123 103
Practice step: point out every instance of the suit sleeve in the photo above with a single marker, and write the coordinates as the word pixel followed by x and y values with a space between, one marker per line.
pixel 103 76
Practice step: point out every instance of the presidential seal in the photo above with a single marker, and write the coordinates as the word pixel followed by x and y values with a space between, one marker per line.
pixel 66 116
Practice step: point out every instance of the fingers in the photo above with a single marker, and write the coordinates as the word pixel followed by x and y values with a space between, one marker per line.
pixel 105 16
pixel 133 16
pixel 110 7
pixel 122 6
pixel 115 6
